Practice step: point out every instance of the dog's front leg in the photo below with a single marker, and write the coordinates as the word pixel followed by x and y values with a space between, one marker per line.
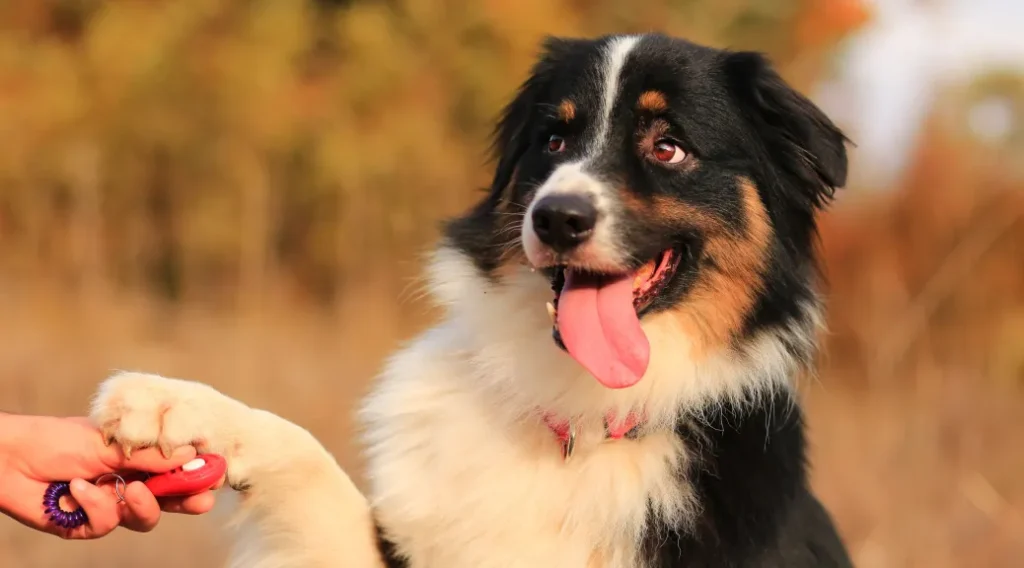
pixel 299 508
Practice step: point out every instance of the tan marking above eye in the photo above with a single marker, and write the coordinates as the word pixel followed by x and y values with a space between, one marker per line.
pixel 567 111
pixel 653 101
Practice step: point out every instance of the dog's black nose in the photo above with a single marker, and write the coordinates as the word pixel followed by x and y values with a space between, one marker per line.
pixel 564 221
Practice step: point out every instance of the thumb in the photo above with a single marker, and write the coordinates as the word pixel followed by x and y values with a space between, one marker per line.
pixel 99 505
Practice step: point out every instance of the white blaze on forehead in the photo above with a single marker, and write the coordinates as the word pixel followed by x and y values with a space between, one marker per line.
pixel 615 55
pixel 576 177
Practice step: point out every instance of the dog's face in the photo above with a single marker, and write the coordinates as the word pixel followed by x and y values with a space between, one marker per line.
pixel 646 176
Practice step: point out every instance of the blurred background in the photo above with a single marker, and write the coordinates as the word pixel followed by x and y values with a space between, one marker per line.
pixel 239 192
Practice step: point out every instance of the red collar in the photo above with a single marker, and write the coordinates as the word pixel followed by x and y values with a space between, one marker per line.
pixel 614 429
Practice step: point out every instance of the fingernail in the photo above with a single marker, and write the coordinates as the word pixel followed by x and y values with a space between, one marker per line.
pixel 79 485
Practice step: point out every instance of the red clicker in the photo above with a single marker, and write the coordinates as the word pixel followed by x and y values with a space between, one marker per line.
pixel 194 477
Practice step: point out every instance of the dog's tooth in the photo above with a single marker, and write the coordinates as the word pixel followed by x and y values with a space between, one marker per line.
pixel 551 311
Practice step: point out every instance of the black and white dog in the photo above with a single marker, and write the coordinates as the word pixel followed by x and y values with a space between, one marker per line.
pixel 611 385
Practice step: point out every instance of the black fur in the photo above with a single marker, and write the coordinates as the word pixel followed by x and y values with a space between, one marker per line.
pixel 388 551
pixel 739 121
pixel 756 509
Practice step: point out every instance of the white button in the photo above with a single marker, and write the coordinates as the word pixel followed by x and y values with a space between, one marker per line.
pixel 194 464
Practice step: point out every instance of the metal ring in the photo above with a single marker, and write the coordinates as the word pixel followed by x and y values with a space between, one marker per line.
pixel 119 485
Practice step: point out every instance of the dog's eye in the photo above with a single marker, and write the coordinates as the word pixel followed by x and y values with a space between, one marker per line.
pixel 556 144
pixel 667 152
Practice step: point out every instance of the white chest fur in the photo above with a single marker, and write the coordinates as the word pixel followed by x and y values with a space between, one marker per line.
pixel 461 480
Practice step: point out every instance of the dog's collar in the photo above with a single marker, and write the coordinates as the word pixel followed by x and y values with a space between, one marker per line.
pixel 565 430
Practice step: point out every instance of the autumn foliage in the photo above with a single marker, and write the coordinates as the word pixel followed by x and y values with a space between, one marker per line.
pixel 193 148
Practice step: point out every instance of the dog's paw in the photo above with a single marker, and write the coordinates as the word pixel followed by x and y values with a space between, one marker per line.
pixel 138 410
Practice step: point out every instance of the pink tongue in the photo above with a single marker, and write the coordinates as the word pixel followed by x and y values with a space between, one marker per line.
pixel 600 329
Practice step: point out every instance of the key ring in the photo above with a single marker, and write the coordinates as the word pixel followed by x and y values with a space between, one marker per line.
pixel 76 518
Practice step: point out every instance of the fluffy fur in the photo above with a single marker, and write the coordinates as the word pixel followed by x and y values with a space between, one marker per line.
pixel 463 470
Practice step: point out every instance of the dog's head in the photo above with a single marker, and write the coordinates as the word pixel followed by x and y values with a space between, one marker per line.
pixel 645 176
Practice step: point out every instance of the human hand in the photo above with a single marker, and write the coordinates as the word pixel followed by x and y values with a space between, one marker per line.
pixel 37 450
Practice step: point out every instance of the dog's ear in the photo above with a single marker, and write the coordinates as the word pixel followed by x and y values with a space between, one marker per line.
pixel 511 138
pixel 796 134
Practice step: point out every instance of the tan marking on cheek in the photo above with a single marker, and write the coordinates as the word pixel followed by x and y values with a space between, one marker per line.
pixel 674 213
pixel 566 111
pixel 652 101
pixel 669 213
pixel 714 309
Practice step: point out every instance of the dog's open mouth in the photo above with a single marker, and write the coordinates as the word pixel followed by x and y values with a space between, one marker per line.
pixel 596 317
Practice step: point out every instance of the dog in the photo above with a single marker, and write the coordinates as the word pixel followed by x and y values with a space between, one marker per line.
pixel 612 384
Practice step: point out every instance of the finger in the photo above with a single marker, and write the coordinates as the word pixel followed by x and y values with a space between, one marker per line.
pixel 147 459
pixel 192 505
pixel 99 506
pixel 141 510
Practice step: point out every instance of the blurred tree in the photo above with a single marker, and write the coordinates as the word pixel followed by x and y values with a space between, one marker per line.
pixel 211 148
pixel 989 110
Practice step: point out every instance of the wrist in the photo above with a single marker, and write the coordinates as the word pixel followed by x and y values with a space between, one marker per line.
pixel 8 434
pixel 14 429
pixel 10 431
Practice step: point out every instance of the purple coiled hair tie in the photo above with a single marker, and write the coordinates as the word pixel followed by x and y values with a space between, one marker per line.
pixel 73 519
pixel 58 516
